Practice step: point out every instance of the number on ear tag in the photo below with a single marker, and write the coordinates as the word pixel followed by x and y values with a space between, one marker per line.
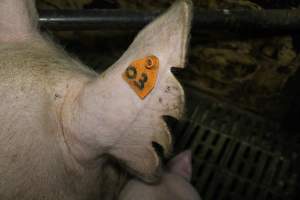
pixel 141 75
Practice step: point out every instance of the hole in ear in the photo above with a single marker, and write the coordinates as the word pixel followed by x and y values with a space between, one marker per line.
pixel 171 122
pixel 178 73
pixel 159 150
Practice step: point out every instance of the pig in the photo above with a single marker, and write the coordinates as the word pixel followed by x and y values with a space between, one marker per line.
pixel 65 128
pixel 174 184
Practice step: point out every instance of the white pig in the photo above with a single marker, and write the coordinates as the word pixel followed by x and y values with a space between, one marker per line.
pixel 61 122
pixel 174 184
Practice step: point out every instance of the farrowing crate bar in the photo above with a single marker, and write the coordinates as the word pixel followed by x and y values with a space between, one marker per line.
pixel 277 21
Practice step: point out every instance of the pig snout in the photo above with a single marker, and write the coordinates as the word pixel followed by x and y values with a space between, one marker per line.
pixel 174 184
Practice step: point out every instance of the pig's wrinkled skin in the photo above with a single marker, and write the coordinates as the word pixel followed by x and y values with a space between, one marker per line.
pixel 174 184
pixel 60 121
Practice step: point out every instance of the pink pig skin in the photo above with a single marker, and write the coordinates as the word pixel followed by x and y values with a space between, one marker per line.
pixel 62 123
pixel 174 184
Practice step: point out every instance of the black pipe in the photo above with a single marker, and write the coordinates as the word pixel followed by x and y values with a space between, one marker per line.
pixel 94 19
pixel 230 20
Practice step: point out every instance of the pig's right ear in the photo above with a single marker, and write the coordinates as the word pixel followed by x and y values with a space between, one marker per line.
pixel 182 165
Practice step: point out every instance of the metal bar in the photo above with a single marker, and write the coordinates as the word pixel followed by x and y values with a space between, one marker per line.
pixel 94 19
pixel 230 20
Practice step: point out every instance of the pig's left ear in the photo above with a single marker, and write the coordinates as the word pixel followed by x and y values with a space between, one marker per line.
pixel 165 43
pixel 122 111
pixel 182 165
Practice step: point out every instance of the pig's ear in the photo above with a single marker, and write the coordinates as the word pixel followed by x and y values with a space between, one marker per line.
pixel 166 38
pixel 123 110
pixel 182 165
pixel 18 20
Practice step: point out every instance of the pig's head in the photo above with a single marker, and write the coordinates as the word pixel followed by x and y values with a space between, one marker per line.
pixel 111 116
pixel 173 185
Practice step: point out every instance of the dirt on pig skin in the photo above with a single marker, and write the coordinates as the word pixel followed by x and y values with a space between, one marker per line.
pixel 68 133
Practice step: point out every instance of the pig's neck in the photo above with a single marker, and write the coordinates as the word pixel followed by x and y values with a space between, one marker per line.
pixel 102 170
pixel 103 174
pixel 100 175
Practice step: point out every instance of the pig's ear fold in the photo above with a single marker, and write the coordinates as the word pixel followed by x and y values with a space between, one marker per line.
pixel 18 20
pixel 182 165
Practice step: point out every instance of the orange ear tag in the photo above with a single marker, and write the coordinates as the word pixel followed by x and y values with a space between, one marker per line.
pixel 141 75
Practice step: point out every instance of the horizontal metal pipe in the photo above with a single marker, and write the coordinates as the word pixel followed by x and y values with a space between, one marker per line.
pixel 93 19
pixel 230 20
